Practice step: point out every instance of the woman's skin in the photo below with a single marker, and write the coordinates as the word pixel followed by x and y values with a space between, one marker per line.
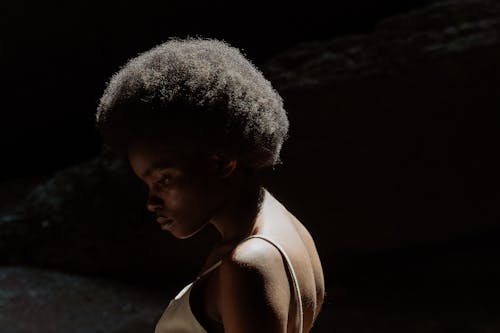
pixel 250 291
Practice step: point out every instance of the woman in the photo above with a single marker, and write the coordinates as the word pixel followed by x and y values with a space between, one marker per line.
pixel 198 122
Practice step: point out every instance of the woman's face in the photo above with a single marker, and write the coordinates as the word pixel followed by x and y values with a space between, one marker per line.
pixel 184 192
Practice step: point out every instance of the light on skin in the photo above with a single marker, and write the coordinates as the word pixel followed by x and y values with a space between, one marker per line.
pixel 211 188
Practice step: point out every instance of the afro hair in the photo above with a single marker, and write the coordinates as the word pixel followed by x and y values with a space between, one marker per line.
pixel 197 90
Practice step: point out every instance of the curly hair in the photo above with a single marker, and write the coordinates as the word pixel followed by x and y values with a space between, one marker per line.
pixel 196 90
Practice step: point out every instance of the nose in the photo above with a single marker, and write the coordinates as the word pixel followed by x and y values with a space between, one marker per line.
pixel 154 203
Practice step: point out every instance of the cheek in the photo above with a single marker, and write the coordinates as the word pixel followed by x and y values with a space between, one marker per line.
pixel 183 200
pixel 199 195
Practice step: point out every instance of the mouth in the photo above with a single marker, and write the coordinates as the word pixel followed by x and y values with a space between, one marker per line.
pixel 165 222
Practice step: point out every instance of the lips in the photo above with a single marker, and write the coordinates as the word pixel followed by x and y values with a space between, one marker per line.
pixel 164 221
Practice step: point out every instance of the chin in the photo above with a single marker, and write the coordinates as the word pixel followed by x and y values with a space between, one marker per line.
pixel 184 234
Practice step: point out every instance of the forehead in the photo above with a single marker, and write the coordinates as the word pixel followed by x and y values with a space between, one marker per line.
pixel 147 156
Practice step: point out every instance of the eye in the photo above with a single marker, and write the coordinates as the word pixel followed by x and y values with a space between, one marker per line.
pixel 164 180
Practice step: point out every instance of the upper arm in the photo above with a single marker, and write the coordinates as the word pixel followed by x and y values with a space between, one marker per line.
pixel 253 297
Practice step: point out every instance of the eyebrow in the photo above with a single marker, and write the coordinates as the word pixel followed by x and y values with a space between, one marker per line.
pixel 155 166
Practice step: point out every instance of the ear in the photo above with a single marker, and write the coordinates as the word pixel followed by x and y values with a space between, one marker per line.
pixel 225 166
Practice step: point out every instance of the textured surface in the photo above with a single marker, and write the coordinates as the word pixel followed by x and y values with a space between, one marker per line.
pixel 393 133
pixel 50 302
pixel 91 218
pixel 398 43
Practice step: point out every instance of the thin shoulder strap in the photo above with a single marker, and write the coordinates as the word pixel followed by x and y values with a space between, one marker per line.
pixel 208 270
pixel 299 324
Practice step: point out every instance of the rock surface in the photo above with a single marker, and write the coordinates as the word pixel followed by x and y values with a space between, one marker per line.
pixel 91 218
pixel 444 29
pixel 388 149
pixel 34 300
pixel 394 133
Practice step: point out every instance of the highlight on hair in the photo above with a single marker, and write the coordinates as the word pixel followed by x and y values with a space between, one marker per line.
pixel 195 90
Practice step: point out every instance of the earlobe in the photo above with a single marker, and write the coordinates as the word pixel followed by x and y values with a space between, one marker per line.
pixel 229 168
pixel 225 165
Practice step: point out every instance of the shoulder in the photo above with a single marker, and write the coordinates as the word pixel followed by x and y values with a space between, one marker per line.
pixel 254 293
pixel 254 253
pixel 254 261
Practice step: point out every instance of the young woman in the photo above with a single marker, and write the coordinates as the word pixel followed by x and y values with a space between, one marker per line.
pixel 198 122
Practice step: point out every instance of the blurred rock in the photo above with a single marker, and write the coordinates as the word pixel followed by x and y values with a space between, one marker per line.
pixel 37 301
pixel 393 142
pixel 394 134
pixel 91 218
pixel 398 44
pixel 13 191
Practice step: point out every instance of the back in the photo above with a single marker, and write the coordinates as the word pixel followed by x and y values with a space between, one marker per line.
pixel 280 226
pixel 297 242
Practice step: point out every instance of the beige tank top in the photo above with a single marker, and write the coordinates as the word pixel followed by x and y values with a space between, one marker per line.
pixel 178 317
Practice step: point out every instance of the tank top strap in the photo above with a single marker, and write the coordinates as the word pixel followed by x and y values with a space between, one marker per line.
pixel 300 315
pixel 208 270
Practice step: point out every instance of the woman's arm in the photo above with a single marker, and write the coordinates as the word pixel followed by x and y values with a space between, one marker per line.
pixel 254 293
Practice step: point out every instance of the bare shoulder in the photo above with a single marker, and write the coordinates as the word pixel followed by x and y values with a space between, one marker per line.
pixel 258 263
pixel 254 253
pixel 252 297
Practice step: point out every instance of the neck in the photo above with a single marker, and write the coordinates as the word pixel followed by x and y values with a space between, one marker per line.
pixel 238 217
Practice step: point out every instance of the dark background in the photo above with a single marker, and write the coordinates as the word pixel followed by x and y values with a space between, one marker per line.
pixel 56 58
pixel 394 174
